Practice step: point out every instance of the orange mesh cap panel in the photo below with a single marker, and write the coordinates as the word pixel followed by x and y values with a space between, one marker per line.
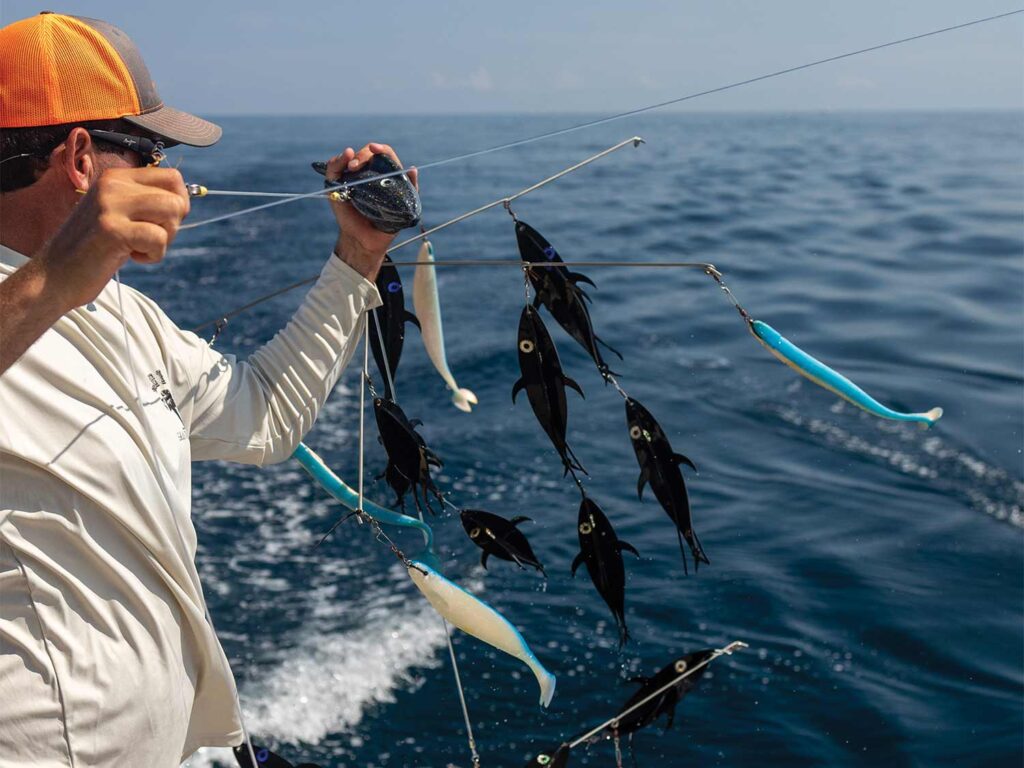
pixel 55 69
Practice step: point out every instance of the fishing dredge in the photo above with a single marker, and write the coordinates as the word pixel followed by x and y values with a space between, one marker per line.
pixel 556 288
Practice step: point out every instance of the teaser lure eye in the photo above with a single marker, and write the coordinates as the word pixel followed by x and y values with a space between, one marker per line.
pixel 550 252
pixel 526 346
pixel 543 759
pixel 474 533
pixel 586 528
pixel 680 666
pixel 635 432
pixel 386 182
pixel 394 286
pixel 262 755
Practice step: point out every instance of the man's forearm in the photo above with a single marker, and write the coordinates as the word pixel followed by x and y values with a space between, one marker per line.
pixel 257 411
pixel 27 310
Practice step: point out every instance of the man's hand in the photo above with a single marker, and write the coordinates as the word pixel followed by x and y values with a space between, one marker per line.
pixel 128 213
pixel 360 245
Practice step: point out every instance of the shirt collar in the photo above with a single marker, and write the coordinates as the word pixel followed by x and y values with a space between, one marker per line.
pixel 11 257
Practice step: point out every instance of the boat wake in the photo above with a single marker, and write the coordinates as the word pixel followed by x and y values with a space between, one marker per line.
pixel 926 456
pixel 327 684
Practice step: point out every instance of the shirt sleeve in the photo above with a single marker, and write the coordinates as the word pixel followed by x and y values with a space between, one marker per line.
pixel 257 411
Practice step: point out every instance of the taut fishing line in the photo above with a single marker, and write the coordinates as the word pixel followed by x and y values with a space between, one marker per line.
pixel 287 198
pixel 587 124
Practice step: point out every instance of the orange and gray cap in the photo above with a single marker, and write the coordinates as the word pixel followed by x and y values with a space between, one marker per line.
pixel 57 69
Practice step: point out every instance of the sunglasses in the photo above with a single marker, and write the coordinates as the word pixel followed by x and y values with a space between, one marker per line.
pixel 151 150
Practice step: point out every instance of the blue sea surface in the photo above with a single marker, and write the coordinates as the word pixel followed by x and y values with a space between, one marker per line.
pixel 874 568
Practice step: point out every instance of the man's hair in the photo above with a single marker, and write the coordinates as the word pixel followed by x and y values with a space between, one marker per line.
pixel 38 143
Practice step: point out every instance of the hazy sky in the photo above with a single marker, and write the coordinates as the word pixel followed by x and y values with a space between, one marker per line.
pixel 318 56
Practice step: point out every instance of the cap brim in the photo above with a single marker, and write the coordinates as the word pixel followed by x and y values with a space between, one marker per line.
pixel 180 127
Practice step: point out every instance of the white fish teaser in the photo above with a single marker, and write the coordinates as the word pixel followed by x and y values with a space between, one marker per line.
pixel 427 304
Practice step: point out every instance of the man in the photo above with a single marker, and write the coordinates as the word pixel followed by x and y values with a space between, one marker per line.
pixel 106 654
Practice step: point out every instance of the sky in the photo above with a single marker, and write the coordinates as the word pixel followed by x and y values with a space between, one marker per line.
pixel 400 56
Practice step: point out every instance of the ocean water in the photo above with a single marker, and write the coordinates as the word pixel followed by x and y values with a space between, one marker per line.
pixel 874 568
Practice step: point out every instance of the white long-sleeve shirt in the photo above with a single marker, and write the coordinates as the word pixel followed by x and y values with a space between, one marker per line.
pixel 95 506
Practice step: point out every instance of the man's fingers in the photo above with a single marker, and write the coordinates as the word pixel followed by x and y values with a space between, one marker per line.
pixel 337 164
pixel 148 242
pixel 156 206
pixel 350 160
pixel 155 210
pixel 362 157
pixel 383 149
pixel 126 188
pixel 166 178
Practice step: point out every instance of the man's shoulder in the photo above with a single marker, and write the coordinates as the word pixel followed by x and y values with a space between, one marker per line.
pixel 137 301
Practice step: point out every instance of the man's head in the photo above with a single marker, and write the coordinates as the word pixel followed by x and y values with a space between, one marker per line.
pixel 60 72
pixel 76 98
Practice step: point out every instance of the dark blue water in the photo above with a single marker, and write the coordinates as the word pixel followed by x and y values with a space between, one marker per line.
pixel 875 569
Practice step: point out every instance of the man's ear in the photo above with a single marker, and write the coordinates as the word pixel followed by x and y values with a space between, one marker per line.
pixel 76 159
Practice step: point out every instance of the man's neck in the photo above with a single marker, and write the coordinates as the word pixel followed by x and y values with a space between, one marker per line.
pixel 30 217
pixel 19 241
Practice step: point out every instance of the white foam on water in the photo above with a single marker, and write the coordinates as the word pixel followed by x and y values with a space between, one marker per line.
pixel 329 681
